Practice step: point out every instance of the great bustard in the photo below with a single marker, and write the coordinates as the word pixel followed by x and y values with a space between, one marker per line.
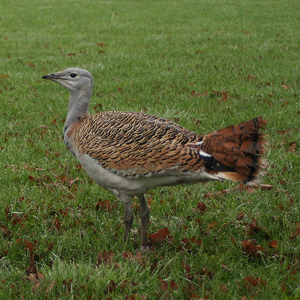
pixel 129 153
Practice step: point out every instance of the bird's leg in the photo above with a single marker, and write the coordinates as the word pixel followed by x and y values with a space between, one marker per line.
pixel 144 214
pixel 128 219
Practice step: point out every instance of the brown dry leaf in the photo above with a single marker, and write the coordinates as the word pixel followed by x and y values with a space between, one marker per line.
pixel 50 287
pixel 201 207
pixel 56 223
pixel 68 285
pixel 105 257
pixel 64 212
pixel 273 244
pixel 283 286
pixel 173 286
pixel 138 257
pixel 233 240
pixel 32 264
pixel 223 288
pixel 251 248
pixel 126 254
pixel 251 281
pixel 187 270
pixel 255 229
pixel 196 94
pixel 266 186
pixel 7 212
pixel 2 76
pixel 295 234
pixel 188 243
pixel 36 287
pixel 135 297
pixel 5 231
pixel 212 225
pixel 33 278
pixel 292 147
pixel 105 205
pixel 111 286
pixel 40 276
pixel 164 285
pixel 240 215
pixel 160 235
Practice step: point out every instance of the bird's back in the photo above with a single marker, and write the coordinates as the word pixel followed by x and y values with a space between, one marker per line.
pixel 133 144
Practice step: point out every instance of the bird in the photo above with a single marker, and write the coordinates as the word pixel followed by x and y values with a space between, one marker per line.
pixel 129 153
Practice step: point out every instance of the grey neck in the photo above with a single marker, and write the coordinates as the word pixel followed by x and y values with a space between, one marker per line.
pixel 78 106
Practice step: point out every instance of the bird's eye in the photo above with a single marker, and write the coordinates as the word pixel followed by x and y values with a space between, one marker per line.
pixel 73 75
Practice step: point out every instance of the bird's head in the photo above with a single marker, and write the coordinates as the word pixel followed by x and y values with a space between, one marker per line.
pixel 73 79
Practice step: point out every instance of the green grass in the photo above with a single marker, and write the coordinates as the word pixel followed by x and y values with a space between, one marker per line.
pixel 204 64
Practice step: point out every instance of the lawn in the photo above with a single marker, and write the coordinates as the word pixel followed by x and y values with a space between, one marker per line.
pixel 203 64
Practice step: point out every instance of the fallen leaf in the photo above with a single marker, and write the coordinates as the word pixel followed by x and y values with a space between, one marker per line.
pixel 105 257
pixel 251 281
pixel 2 76
pixel 254 229
pixel 105 205
pixel 188 243
pixel 5 231
pixel 240 215
pixel 33 278
pixel 295 234
pixel 138 257
pixel 50 287
pixel 36 287
pixel 202 207
pixel 135 297
pixel 187 269
pixel 173 286
pixel 212 225
pixel 160 235
pixel 164 285
pixel 111 286
pixel 251 248
pixel 273 244
pixel 266 186
pixel 223 288
pixel 292 147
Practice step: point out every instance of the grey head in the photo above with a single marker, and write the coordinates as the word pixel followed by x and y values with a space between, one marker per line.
pixel 73 79
pixel 80 84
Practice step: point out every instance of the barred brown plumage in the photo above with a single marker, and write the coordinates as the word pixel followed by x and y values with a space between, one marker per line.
pixel 129 153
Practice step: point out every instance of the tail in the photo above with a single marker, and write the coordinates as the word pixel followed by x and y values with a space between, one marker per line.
pixel 235 153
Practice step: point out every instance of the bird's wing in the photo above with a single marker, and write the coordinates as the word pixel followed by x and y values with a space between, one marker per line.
pixel 137 144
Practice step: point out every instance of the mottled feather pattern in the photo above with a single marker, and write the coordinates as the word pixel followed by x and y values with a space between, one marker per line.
pixel 133 144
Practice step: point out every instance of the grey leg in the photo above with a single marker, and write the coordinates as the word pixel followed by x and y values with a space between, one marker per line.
pixel 128 219
pixel 144 214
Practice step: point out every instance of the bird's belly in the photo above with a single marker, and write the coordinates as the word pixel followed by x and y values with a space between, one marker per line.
pixel 107 179
pixel 132 186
